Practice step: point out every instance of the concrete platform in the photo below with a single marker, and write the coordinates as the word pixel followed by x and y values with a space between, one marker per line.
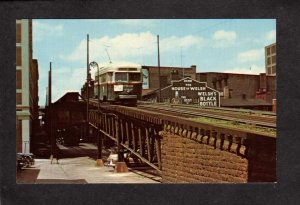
pixel 79 170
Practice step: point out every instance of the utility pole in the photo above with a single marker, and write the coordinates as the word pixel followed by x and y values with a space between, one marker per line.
pixel 99 138
pixel 181 62
pixel 47 97
pixel 158 58
pixel 87 89
pixel 50 84
pixel 51 113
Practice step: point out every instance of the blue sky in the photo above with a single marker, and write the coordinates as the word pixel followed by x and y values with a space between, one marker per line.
pixel 213 45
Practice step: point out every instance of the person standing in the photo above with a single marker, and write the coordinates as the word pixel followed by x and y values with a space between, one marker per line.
pixel 56 153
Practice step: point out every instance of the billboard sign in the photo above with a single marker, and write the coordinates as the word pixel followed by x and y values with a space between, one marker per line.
pixel 192 91
pixel 145 78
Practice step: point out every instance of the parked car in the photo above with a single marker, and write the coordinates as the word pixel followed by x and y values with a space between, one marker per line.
pixel 20 162
pixel 25 160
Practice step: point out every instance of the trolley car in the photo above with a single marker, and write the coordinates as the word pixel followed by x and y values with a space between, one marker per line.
pixel 119 83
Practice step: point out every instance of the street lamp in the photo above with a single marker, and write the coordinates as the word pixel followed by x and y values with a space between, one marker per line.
pixel 95 64
pixel 99 154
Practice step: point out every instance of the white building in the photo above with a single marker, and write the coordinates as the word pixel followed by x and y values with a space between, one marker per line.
pixel 26 85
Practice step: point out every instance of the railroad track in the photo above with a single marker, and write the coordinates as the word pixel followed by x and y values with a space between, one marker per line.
pixel 250 117
pixel 231 110
pixel 220 115
pixel 221 109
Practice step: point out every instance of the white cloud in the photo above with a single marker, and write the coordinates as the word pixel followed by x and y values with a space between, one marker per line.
pixel 251 55
pixel 224 38
pixel 129 46
pixel 43 30
pixel 224 35
pixel 174 42
pixel 67 80
pixel 253 69
pixel 271 35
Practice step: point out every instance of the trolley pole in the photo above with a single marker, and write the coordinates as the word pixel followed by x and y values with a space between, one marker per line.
pixel 158 59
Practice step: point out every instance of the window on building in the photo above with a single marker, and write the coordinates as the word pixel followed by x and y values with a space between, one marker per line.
pixel 18 56
pixel 274 69
pixel 18 79
pixel 19 98
pixel 18 33
pixel 268 61
pixel 269 70
pixel 273 59
pixel 268 51
pixel 273 49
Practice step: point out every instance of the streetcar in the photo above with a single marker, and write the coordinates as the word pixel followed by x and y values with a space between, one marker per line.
pixel 119 83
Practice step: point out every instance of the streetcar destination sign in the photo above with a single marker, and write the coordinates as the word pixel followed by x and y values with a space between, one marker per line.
pixel 192 91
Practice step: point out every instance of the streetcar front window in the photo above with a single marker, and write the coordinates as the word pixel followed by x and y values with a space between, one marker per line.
pixel 121 77
pixel 134 77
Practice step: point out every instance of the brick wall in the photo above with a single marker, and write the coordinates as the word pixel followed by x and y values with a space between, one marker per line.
pixel 187 161
pixel 271 88
pixel 237 84
pixel 166 75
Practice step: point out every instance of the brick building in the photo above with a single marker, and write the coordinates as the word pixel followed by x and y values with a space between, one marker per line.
pixel 26 85
pixel 242 90
pixel 236 90
pixel 167 74
pixel 68 113
pixel 187 91
pixel 270 59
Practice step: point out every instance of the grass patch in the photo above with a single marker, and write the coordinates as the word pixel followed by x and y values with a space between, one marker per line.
pixel 235 124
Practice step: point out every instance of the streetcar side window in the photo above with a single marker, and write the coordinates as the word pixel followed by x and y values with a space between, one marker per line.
pixel 134 77
pixel 103 78
pixel 109 77
pixel 121 77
